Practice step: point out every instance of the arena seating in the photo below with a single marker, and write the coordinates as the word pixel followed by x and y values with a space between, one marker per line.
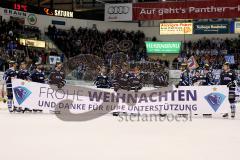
pixel 11 49
pixel 211 51
pixel 92 41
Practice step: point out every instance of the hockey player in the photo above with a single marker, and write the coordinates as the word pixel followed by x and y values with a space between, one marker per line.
pixel 135 79
pixel 196 78
pixel 23 72
pixel 203 78
pixel 228 77
pixel 38 74
pixel 185 76
pixel 24 75
pixel 125 71
pixel 39 77
pixel 57 76
pixel 160 77
pixel 8 76
pixel 208 76
pixel 102 80
pixel 121 81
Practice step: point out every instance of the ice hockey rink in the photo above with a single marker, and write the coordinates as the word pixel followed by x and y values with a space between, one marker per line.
pixel 44 136
pixel 41 136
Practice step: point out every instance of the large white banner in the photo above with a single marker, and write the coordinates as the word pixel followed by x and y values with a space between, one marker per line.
pixel 118 12
pixel 78 99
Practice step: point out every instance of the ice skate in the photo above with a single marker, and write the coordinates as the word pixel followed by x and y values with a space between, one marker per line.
pixel 233 115
pixel 225 115
pixel 27 110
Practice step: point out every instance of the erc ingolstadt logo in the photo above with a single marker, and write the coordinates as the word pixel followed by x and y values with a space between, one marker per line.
pixel 215 100
pixel 21 94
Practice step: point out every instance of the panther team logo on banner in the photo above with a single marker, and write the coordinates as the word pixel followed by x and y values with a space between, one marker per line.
pixel 215 100
pixel 21 94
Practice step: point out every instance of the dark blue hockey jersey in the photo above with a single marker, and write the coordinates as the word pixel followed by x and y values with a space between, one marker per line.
pixel 8 75
pixel 102 81
pixel 185 79
pixel 23 74
pixel 38 76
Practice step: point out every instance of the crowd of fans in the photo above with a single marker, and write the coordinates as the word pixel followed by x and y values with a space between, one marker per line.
pixel 12 49
pixel 211 51
pixel 8 43
pixel 91 41
pixel 114 47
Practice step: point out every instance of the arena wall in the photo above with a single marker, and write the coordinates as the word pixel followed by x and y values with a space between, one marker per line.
pixel 154 31
pixel 44 21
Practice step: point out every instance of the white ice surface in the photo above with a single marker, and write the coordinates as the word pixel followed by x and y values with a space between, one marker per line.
pixel 44 137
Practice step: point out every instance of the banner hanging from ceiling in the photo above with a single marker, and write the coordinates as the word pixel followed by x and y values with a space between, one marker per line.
pixel 203 9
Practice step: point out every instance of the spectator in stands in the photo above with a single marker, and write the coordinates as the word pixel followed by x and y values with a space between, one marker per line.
pixel 90 41
pixel 10 47
pixel 212 51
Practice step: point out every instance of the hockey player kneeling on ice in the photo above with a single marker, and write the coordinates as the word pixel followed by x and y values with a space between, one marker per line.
pixel 8 76
pixel 102 80
pixel 39 77
pixel 57 76
pixel 24 74
pixel 228 77
pixel 128 81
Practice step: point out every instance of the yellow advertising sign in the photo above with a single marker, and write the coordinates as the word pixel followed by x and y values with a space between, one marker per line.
pixel 32 43
pixel 176 28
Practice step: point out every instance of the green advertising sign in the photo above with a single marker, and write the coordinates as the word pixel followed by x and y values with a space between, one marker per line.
pixel 163 47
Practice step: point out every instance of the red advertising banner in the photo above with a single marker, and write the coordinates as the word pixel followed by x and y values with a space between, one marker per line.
pixel 187 10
